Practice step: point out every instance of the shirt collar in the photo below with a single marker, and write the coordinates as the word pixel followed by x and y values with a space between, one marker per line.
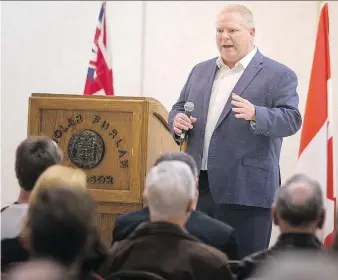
pixel 244 62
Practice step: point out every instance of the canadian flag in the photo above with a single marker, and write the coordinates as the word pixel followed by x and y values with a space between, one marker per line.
pixel 316 152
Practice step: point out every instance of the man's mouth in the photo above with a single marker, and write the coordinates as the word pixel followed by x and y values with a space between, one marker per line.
pixel 227 46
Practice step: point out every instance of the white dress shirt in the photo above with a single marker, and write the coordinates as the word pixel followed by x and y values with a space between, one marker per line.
pixel 12 219
pixel 224 83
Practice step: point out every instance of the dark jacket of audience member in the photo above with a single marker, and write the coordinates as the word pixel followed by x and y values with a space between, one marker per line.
pixel 12 252
pixel 285 242
pixel 96 255
pixel 167 250
pixel 200 225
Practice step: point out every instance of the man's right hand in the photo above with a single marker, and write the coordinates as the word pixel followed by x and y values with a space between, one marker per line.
pixel 181 122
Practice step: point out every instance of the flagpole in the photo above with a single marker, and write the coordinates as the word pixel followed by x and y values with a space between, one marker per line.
pixel 330 124
pixel 331 131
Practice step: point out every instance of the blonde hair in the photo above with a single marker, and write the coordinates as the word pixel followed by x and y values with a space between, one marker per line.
pixel 59 175
pixel 52 177
pixel 242 10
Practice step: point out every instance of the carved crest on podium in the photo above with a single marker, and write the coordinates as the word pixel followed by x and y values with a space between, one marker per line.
pixel 86 149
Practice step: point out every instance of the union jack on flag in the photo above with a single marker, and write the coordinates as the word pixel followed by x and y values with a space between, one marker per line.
pixel 100 74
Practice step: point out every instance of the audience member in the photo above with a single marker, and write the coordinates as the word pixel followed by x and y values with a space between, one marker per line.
pixel 59 226
pixel 33 156
pixel 210 231
pixel 58 175
pixel 162 246
pixel 54 176
pixel 298 211
pixel 289 265
pixel 72 178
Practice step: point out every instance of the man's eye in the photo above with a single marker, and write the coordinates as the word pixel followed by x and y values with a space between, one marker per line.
pixel 232 30
pixel 219 30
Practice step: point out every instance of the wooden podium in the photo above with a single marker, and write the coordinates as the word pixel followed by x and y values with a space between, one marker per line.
pixel 115 140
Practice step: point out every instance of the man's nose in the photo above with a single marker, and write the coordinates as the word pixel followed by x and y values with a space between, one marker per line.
pixel 225 35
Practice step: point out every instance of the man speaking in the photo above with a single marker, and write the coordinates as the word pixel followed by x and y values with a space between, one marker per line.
pixel 244 104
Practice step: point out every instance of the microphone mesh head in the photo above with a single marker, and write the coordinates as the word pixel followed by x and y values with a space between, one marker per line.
pixel 189 106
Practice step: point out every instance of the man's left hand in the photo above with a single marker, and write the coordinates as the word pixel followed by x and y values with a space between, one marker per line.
pixel 243 108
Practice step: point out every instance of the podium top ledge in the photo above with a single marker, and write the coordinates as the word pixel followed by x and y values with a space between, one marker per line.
pixel 122 98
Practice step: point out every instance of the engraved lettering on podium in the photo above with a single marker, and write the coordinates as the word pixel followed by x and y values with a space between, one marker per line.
pixel 101 179
pixel 58 133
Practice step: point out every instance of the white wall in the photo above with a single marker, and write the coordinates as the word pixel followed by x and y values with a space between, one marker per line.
pixel 46 47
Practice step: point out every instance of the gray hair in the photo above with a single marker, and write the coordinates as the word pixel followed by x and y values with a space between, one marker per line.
pixel 304 209
pixel 169 187
pixel 242 10
pixel 179 156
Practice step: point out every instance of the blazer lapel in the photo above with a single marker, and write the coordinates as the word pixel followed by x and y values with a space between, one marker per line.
pixel 208 88
pixel 249 73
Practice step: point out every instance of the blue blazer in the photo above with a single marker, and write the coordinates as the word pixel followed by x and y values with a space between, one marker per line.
pixel 208 230
pixel 243 160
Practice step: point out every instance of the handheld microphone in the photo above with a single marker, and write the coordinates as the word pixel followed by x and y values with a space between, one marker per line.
pixel 188 108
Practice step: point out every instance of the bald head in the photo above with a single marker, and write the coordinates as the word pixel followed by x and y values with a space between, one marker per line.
pixel 300 201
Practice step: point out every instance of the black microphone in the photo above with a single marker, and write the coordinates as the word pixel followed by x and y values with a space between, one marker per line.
pixel 188 108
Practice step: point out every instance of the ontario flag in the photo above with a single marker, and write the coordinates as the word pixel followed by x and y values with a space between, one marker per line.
pixel 316 152
pixel 100 74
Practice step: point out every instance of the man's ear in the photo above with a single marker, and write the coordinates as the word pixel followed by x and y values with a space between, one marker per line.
pixel 321 219
pixel 195 200
pixel 196 195
pixel 274 214
pixel 252 32
pixel 190 206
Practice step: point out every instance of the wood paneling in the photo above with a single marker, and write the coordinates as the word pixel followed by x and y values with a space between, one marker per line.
pixel 134 131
